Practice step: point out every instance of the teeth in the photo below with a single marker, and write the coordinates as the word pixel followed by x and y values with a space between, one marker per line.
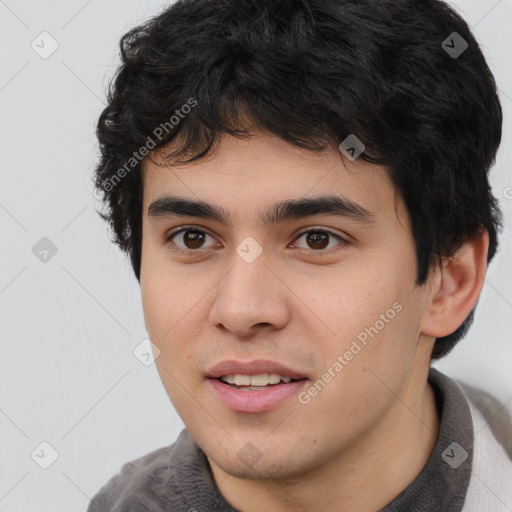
pixel 230 379
pixel 273 378
pixel 243 380
pixel 255 380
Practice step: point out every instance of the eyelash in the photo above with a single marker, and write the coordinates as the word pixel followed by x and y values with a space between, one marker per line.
pixel 199 252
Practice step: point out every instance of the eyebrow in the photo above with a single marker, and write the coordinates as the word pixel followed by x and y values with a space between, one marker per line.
pixel 171 206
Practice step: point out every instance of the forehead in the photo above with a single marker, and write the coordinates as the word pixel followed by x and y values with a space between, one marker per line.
pixel 268 180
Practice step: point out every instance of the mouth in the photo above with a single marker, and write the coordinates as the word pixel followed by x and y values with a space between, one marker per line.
pixel 254 386
pixel 257 369
pixel 255 382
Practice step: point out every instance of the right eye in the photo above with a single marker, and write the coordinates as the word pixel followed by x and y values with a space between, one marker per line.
pixel 188 240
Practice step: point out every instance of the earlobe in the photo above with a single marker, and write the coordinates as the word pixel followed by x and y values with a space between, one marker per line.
pixel 456 287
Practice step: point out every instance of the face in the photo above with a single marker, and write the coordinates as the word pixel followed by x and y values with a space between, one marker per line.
pixel 324 296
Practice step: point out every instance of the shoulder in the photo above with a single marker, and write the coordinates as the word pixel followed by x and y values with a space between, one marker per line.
pixel 490 487
pixel 497 417
pixel 136 486
pixel 175 478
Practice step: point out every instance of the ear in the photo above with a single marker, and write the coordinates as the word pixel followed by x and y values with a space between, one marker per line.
pixel 456 287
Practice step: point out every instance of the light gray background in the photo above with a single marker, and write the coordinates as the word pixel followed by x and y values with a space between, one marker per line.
pixel 69 326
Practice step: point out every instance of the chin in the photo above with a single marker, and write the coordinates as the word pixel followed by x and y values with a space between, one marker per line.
pixel 265 466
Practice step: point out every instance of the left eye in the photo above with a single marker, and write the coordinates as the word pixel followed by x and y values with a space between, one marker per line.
pixel 319 238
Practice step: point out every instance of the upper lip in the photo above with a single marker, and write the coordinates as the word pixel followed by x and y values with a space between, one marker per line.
pixel 254 367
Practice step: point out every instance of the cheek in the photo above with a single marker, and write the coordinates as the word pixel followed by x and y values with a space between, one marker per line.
pixel 154 296
pixel 170 310
pixel 163 292
pixel 374 316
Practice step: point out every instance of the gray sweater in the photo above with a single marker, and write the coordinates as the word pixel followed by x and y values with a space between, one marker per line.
pixel 470 469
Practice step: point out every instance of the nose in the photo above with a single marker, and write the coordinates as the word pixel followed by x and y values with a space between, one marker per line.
pixel 250 297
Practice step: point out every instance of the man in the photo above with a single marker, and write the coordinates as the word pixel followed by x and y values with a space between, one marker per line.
pixel 302 187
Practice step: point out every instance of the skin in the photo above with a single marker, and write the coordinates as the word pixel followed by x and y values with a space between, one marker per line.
pixel 371 430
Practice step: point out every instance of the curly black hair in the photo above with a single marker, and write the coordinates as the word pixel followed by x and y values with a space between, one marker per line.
pixel 397 74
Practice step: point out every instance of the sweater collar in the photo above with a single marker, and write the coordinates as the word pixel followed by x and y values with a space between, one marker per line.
pixel 443 483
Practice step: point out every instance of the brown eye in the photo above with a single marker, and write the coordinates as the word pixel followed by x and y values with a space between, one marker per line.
pixel 193 239
pixel 319 239
pixel 188 240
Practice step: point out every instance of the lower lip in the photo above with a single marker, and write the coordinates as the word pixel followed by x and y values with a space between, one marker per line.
pixel 254 401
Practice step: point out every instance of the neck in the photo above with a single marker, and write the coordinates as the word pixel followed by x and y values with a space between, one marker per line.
pixel 364 478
